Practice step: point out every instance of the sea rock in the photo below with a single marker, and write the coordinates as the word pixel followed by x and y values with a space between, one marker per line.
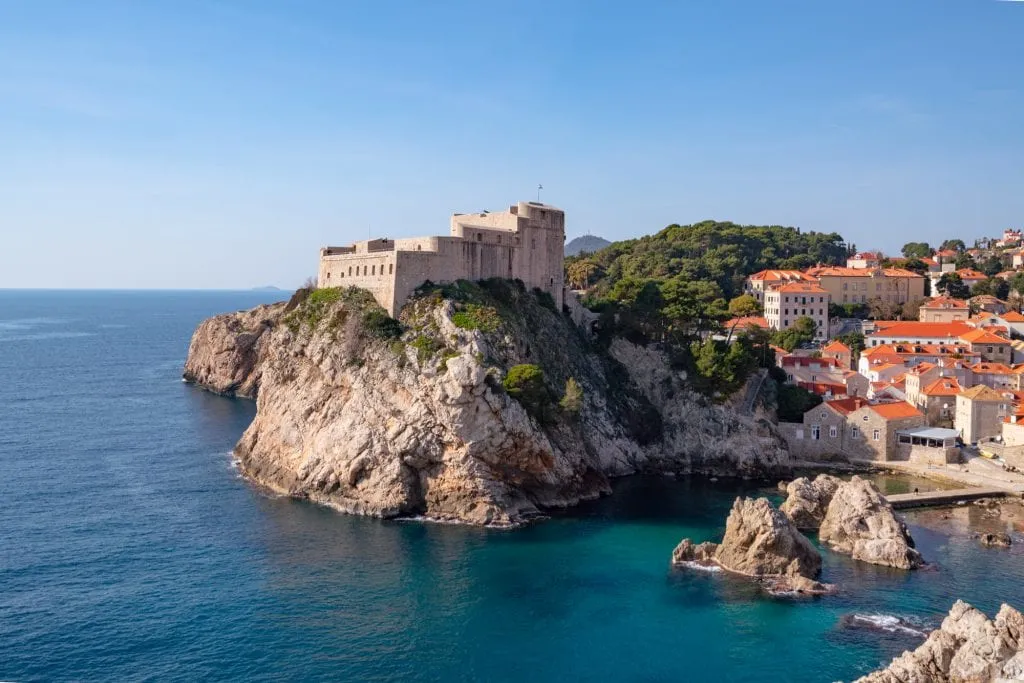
pixel 759 542
pixel 358 414
pixel 995 540
pixel 807 500
pixel 967 647
pixel 861 523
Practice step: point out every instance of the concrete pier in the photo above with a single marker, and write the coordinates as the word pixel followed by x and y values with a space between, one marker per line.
pixel 901 501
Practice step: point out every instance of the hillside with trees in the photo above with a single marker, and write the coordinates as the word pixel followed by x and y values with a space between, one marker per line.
pixel 674 287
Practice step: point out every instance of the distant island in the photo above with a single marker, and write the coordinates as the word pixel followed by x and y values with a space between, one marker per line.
pixel 267 288
pixel 585 244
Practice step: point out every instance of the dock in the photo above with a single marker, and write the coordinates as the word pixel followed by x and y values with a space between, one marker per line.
pixel 902 501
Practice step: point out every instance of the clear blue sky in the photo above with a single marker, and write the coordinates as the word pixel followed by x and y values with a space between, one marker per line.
pixel 220 143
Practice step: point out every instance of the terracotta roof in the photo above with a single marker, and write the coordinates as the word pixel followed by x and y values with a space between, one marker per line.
pixel 805 361
pixel 922 368
pixel 983 337
pixel 991 369
pixel 1017 369
pixel 919 330
pixel 822 388
pixel 748 321
pixel 810 287
pixel 780 275
pixel 1006 274
pixel 1012 317
pixel 861 255
pixel 845 406
pixel 836 346
pixel 896 410
pixel 946 252
pixel 982 393
pixel 943 386
pixel 971 274
pixel 840 271
pixel 944 302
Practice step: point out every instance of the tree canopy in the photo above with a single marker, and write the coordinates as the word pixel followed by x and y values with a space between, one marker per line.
pixel 952 285
pixel 916 250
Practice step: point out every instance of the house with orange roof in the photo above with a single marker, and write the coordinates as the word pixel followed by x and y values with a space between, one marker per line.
pixel 991 346
pixel 894 389
pixel 757 283
pixel 786 303
pixel 854 428
pixel 971 276
pixel 937 401
pixel 916 332
pixel 822 376
pixel 860 285
pixel 840 353
pixel 994 375
pixel 943 309
pixel 1008 274
pixel 980 412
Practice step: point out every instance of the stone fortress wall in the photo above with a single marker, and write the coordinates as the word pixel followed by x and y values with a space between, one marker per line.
pixel 526 243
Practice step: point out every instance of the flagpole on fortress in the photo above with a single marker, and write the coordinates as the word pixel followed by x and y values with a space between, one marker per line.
pixel 539 188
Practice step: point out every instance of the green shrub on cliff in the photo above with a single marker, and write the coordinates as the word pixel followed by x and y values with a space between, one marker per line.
pixel 477 317
pixel 572 400
pixel 525 383
pixel 378 323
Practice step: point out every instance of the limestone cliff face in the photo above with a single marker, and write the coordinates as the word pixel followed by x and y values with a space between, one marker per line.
pixel 356 414
pixel 226 352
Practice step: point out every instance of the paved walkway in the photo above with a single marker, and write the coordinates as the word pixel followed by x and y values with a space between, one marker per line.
pixel 947 497
pixel 976 472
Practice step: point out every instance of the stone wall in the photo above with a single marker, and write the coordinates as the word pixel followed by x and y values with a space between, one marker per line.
pixel 525 243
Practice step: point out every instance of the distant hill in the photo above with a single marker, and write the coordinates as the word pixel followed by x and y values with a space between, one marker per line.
pixel 267 288
pixel 587 243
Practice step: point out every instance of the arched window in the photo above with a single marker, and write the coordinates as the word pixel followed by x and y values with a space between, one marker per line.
pixel 350 270
pixel 479 237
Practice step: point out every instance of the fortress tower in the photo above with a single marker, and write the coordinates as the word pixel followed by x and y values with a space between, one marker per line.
pixel 525 243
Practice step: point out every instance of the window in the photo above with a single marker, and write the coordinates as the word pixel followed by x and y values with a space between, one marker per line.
pixel 373 270
pixel 845 286
pixel 990 349
pixel 350 270
pixel 479 237
pixel 391 268
pixel 855 432
pixel 328 275
pixel 800 434
pixel 833 432
pixel 865 418
pixel 875 434
pixel 815 432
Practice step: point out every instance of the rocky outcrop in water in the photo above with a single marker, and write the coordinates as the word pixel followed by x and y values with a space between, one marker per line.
pixel 995 540
pixel 807 500
pixel 357 412
pixel 227 351
pixel 759 542
pixel 861 523
pixel 967 648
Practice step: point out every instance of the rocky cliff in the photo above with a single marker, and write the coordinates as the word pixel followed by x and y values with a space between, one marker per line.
pixel 465 410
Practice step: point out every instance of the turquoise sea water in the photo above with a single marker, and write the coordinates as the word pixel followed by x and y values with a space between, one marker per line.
pixel 131 550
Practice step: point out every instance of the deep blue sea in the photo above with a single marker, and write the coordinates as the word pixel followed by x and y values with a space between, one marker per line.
pixel 130 549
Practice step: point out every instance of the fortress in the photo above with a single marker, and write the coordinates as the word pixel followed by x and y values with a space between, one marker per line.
pixel 525 243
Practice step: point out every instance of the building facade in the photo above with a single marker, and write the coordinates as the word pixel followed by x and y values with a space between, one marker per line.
pixel 980 412
pixel 860 285
pixel 525 243
pixel 944 309
pixel 785 304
